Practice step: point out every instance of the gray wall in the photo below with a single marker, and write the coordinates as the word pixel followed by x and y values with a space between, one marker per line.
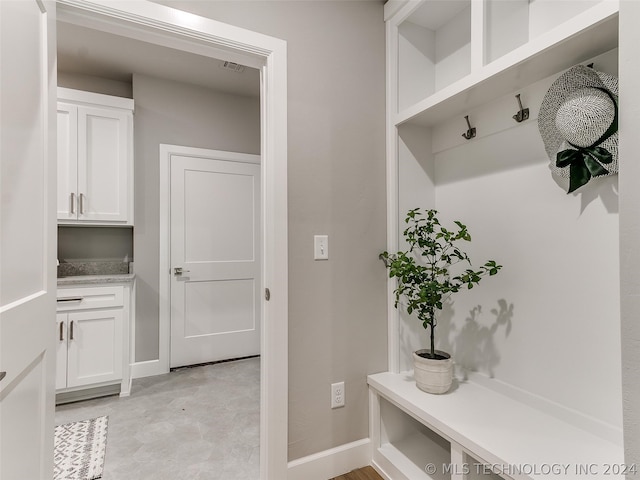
pixel 179 114
pixel 97 243
pixel 90 83
pixel 336 105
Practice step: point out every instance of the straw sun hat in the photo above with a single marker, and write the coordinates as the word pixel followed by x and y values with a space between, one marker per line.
pixel 578 122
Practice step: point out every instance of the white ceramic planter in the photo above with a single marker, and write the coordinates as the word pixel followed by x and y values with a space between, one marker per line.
pixel 433 376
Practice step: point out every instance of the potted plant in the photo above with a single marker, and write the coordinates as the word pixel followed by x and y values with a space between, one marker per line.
pixel 425 282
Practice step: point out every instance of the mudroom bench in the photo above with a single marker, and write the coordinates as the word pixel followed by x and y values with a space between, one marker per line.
pixel 476 432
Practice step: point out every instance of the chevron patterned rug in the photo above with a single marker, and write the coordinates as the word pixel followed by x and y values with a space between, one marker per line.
pixel 79 449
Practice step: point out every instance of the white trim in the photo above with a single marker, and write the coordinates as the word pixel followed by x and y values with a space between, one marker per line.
pixel 166 152
pixel 91 98
pixel 333 462
pixel 147 368
pixel 392 192
pixel 22 301
pixel 177 29
pixel 164 287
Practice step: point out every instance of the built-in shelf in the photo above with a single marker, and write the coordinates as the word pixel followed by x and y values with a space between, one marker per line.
pixel 447 59
pixel 488 426
pixel 411 445
pixel 434 49
pixel 589 33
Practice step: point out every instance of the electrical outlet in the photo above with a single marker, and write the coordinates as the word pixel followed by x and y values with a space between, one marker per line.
pixel 337 395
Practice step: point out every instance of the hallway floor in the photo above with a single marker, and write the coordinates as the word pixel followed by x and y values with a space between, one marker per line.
pixel 195 423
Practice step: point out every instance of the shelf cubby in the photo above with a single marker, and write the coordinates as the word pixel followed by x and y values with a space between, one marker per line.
pixel 411 445
pixel 509 24
pixel 434 49
pixel 520 53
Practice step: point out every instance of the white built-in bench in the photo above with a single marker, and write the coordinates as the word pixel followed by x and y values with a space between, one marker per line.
pixel 473 431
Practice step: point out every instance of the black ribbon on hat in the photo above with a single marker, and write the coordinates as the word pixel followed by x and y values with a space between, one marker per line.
pixel 587 162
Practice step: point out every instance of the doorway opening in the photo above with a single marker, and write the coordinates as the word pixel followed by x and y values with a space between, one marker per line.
pixel 192 34
pixel 210 234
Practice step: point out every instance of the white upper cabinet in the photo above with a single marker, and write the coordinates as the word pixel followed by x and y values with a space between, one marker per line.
pixel 95 158
pixel 454 55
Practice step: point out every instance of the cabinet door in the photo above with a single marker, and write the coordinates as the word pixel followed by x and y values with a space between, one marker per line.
pixel 61 350
pixel 94 347
pixel 103 164
pixel 67 161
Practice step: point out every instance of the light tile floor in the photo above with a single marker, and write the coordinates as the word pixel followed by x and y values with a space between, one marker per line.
pixel 193 424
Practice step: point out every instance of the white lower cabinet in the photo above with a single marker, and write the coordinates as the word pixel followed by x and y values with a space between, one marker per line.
pixel 92 345
pixel 92 333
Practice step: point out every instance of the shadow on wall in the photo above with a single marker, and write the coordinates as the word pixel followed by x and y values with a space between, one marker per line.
pixel 473 346
pixel 604 189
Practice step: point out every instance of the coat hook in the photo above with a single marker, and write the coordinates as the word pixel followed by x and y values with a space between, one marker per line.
pixel 471 131
pixel 523 113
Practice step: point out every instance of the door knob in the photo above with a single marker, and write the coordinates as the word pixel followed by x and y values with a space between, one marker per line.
pixel 179 271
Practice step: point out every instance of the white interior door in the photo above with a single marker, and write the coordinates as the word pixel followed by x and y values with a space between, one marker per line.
pixel 215 241
pixel 27 239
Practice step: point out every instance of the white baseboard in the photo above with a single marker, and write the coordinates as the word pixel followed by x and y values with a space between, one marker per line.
pixel 381 471
pixel 331 463
pixel 147 369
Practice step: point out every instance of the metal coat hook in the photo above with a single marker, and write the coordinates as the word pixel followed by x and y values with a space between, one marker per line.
pixel 523 113
pixel 471 131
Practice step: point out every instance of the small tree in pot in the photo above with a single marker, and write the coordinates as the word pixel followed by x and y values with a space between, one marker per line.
pixel 425 282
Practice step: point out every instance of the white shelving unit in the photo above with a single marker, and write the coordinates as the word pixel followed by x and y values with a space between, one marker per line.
pixel 444 59
pixel 508 46
pixel 475 429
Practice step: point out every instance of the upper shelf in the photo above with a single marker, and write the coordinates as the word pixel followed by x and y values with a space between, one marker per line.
pixel 455 55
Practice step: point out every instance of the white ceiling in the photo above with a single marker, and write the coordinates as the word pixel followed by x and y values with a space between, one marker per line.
pixel 91 52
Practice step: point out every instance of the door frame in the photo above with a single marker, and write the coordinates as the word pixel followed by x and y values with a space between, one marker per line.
pixel 166 151
pixel 181 30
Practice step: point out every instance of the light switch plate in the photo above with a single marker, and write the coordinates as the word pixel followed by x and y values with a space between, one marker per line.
pixel 321 247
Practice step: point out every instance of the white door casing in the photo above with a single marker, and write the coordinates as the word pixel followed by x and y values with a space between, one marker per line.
pixel 180 30
pixel 27 239
pixel 215 241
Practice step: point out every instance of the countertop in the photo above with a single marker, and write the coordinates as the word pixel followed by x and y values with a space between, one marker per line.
pixel 96 279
